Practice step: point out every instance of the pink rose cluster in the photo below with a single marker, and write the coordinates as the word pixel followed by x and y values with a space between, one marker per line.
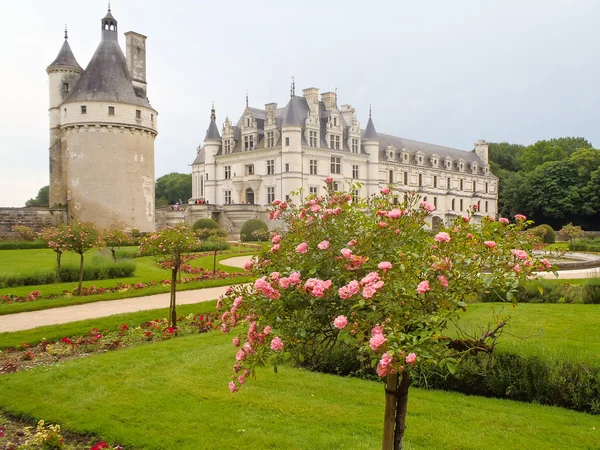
pixel 520 217
pixel 423 287
pixel 383 367
pixel 427 206
pixel 377 338
pixel 267 290
pixel 349 290
pixel 316 287
pixel 340 322
pixel 371 284
pixel 546 263
pixel 302 248
pixel 442 237
pixel 519 254
pixel 354 261
pixel 323 245
pixel 503 220
pixel 292 280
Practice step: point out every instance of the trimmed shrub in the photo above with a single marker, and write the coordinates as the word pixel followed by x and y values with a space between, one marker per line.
pixel 69 274
pixel 26 233
pixel 21 245
pixel 205 224
pixel 209 246
pixel 547 233
pixel 254 230
pixel 585 245
pixel 588 293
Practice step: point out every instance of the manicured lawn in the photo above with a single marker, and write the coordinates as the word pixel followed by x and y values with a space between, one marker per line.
pixel 74 329
pixel 173 395
pixel 558 331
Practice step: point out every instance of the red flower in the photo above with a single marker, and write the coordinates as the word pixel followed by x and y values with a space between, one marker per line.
pixel 98 336
pixel 148 333
pixel 124 327
pixel 1 432
pixel 100 445
pixel 66 340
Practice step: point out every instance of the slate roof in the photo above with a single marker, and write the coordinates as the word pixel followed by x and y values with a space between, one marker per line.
pixel 370 132
pixel 65 58
pixel 200 157
pixel 106 77
pixel 212 133
pixel 295 112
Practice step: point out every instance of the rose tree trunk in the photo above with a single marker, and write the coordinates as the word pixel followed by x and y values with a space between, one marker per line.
pixel 172 310
pixel 80 274
pixel 394 420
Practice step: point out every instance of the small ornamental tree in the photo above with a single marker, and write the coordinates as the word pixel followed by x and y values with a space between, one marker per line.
pixel 370 275
pixel 171 247
pixel 81 237
pixel 571 232
pixel 55 238
pixel 113 238
pixel 26 233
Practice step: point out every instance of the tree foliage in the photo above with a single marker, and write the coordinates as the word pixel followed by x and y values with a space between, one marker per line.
pixel 42 199
pixel 370 275
pixel 81 237
pixel 173 187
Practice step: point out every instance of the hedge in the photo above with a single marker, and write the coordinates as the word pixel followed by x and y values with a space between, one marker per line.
pixel 68 274
pixel 205 223
pixel 21 245
pixel 254 230
pixel 585 245
pixel 539 292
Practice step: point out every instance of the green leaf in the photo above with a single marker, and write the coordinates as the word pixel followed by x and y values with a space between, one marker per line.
pixel 451 367
pixel 301 357
pixel 541 290
pixel 275 368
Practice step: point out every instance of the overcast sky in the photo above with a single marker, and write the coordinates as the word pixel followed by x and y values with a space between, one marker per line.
pixel 439 71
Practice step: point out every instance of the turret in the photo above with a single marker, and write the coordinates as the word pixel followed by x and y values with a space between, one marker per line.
pixel 370 143
pixel 109 27
pixel 481 149
pixel 212 142
pixel 63 74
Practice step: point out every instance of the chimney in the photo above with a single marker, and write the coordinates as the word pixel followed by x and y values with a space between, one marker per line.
pixel 312 98
pixel 135 46
pixel 270 107
pixel 348 113
pixel 329 99
pixel 481 149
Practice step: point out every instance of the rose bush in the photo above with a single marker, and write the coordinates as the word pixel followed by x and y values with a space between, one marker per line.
pixel 382 283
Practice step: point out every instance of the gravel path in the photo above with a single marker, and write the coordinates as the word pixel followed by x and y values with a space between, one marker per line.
pixel 33 319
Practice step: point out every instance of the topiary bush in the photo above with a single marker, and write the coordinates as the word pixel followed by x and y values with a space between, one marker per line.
pixel 205 224
pixel 547 233
pixel 254 230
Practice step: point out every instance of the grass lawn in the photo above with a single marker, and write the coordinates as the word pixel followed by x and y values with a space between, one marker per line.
pixel 173 395
pixel 558 331
pixel 146 270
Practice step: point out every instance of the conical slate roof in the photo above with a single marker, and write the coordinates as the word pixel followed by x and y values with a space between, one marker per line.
pixel 370 132
pixel 295 112
pixel 213 131
pixel 106 78
pixel 65 58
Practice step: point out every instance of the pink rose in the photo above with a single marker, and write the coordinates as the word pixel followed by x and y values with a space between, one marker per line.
pixel 423 287
pixel 323 245
pixel 490 244
pixel 442 237
pixel 276 344
pixel 346 252
pixel 242 379
pixel 427 206
pixel 340 322
pixel 276 239
pixel 384 364
pixel 504 220
pixel 517 268
pixel 232 387
pixel 385 191
pixel 302 248
pixel 276 202
pixel 236 341
pixel 352 243
pixel 546 263
pixel 382 224
pixel 240 355
pixel 267 330
pixel 274 248
pixel 520 217
pixel 315 208
pixel 328 180
pixel 443 280
pixel 411 358
pixel 384 265
pixel 519 254
pixel 376 341
pixel 369 291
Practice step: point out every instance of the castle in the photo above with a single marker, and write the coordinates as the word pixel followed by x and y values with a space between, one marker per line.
pixel 102 131
pixel 269 153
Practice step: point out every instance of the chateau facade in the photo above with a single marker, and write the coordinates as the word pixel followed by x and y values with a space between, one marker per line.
pixel 271 152
pixel 102 132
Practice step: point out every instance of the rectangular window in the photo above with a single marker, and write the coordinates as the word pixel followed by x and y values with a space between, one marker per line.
pixel 337 142
pixel 461 186
pixel 313 166
pixel 271 139
pixel 420 179
pixel 250 169
pixel 355 171
pixel 336 165
pixel 354 145
pixel 65 87
pixel 486 206
pixel 249 142
pixel 287 167
pixel 228 197
pixel 435 181
pixel 227 172
pixel 453 204
pixel 138 114
pixel 227 146
pixel 270 194
pixel 405 178
pixel 474 186
pixel 486 188
pixel 448 184
pixel 65 112
pixel 336 187
pixel 313 190
pixel 270 167
pixel 390 176
pixel 355 195
pixel 461 204
pixel 83 109
pixel 435 201
pixel 287 141
pixel 312 141
pixel 111 110
pixel 152 118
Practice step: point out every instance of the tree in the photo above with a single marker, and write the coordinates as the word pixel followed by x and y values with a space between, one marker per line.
pixel 173 187
pixel 42 199
pixel 571 232
pixel 114 238
pixel 56 239
pixel 81 237
pixel 505 156
pixel 369 274
pixel 171 247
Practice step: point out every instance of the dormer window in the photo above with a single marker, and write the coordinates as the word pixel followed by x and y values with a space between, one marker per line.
pixel 419 158
pixel 354 145
pixel 448 163
pixel 334 142
pixel 434 160
pixel 405 156
pixel 485 170
pixel 460 165
pixel 249 142
pixel 270 139
pixel 334 121
pixel 474 167
pixel 312 138
pixel 226 146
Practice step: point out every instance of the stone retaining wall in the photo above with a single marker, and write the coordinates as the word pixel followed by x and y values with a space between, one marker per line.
pixel 35 217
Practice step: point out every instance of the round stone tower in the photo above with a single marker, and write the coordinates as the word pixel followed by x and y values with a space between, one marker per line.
pixel 107 132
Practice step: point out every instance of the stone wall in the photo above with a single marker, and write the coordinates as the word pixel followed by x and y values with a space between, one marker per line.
pixel 33 217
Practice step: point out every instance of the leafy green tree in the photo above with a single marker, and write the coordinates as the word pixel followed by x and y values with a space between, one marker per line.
pixel 81 237
pixel 42 199
pixel 503 155
pixel 171 247
pixel 369 274
pixel 174 187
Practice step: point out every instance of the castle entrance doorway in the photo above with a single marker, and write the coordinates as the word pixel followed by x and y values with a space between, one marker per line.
pixel 249 196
